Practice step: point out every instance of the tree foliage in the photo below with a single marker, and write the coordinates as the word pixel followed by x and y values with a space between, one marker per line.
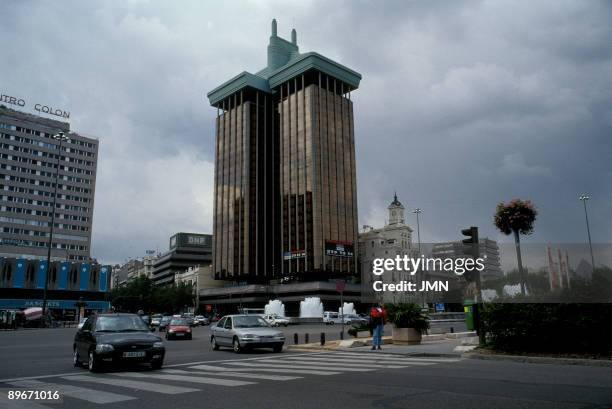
pixel 142 294
pixel 517 215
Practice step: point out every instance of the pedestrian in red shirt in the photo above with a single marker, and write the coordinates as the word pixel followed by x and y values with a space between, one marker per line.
pixel 378 317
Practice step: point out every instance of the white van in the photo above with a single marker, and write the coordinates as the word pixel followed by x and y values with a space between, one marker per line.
pixel 331 318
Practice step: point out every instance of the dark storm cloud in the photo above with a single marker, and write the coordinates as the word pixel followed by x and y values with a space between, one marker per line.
pixel 462 104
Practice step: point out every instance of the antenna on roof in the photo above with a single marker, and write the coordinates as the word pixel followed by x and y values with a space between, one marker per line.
pixel 274 27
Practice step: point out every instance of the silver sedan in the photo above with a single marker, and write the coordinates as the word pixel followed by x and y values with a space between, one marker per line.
pixel 245 332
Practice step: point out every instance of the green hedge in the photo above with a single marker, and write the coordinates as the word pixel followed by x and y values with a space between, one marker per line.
pixel 555 328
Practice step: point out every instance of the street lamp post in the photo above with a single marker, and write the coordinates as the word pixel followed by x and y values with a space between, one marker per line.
pixel 61 137
pixel 418 211
pixel 583 197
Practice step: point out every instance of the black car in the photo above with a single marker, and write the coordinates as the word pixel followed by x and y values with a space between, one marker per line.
pixel 116 338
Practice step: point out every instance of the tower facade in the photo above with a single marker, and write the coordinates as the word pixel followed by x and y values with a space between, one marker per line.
pixel 396 212
pixel 285 180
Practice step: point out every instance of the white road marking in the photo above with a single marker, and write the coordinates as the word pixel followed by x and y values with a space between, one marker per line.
pixel 277 370
pixel 236 375
pixel 90 395
pixel 353 361
pixel 186 378
pixel 126 383
pixel 343 363
pixel 273 364
pixel 394 358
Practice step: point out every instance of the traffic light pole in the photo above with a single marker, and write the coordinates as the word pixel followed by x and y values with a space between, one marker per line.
pixel 473 251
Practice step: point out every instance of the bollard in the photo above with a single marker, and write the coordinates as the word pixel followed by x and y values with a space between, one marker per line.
pixel 295 339
pixel 306 338
pixel 342 335
pixel 452 330
pixel 322 338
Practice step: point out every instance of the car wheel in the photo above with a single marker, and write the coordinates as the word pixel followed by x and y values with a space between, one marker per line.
pixel 278 348
pixel 157 364
pixel 93 364
pixel 213 343
pixel 190 337
pixel 286 325
pixel 76 359
pixel 236 345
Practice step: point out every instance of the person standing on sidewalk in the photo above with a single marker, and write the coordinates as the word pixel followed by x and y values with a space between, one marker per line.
pixel 378 317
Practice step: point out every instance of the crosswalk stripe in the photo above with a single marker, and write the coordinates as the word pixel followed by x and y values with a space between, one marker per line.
pixel 277 370
pixel 186 378
pixel 126 383
pixel 290 366
pixel 90 395
pixel 346 363
pixel 6 403
pixel 237 375
pixel 351 361
pixel 395 358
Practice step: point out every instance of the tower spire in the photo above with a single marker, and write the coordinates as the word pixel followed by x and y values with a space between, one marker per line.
pixel 274 27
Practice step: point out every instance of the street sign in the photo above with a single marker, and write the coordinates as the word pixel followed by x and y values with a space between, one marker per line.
pixel 340 284
pixel 439 307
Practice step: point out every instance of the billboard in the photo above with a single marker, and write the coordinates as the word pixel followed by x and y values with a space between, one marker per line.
pixel 190 240
pixel 290 255
pixel 339 249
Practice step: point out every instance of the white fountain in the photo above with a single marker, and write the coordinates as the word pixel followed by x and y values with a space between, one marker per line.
pixel 349 309
pixel 311 307
pixel 275 307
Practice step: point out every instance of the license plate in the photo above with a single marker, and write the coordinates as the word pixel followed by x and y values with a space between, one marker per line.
pixel 134 354
pixel 179 334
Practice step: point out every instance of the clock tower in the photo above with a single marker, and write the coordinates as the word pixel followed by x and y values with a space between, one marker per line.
pixel 396 212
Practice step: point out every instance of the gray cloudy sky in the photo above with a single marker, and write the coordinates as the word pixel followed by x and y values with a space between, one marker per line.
pixel 462 104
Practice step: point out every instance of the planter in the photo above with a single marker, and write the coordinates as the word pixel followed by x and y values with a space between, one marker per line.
pixel 363 334
pixel 406 336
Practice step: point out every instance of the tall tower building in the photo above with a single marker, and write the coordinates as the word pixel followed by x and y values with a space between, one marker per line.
pixel 285 202
pixel 29 159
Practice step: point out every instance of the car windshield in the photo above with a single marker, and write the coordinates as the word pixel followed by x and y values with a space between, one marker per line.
pixel 121 323
pixel 178 321
pixel 166 319
pixel 249 322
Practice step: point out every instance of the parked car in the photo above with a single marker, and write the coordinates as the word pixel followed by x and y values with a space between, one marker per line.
pixel 331 318
pixel 276 320
pixel 107 339
pixel 242 332
pixel 201 320
pixel 178 328
pixel 155 320
pixel 163 323
pixel 351 319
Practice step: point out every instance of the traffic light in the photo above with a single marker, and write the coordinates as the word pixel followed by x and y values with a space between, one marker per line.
pixel 470 245
pixel 472 250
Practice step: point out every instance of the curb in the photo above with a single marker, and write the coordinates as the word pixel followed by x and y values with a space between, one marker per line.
pixel 539 359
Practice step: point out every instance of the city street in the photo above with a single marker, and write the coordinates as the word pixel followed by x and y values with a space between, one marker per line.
pixel 196 377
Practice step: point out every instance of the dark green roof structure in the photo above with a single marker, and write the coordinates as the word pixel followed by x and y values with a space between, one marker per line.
pixel 284 62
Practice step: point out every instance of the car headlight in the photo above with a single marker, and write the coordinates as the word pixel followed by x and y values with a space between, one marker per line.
pixel 101 348
pixel 248 336
pixel 188 329
pixel 158 344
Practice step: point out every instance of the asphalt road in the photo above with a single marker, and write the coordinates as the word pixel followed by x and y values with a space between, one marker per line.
pixel 196 377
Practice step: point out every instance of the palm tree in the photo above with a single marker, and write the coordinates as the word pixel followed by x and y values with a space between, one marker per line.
pixel 516 217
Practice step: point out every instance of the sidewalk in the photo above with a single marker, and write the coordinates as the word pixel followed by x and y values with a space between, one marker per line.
pixel 437 347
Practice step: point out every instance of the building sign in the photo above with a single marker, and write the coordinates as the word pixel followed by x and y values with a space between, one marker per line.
pixel 190 240
pixel 339 249
pixel 290 255
pixel 45 109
